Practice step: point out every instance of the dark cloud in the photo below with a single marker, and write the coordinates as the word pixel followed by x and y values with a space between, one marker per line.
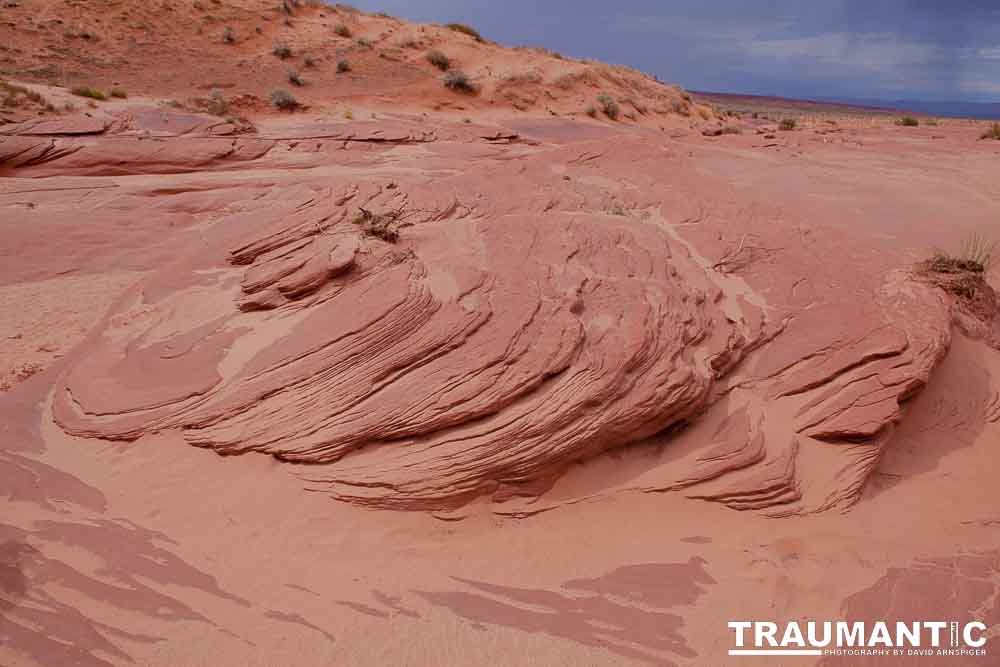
pixel 927 49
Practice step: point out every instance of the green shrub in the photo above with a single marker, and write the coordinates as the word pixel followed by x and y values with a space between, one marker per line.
pixel 89 91
pixel 439 60
pixel 788 124
pixel 119 93
pixel 908 121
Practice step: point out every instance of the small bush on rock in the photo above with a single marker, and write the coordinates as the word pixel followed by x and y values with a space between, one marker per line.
pixel 283 99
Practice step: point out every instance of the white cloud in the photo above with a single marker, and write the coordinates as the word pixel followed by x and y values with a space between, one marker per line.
pixel 991 53
pixel 866 50
pixel 982 86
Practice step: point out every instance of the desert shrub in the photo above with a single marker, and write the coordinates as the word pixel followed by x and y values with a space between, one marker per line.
pixel 438 59
pixel 992 133
pixel 282 50
pixel 465 30
pixel 309 61
pixel 787 124
pixel 295 78
pixel 342 30
pixel 731 129
pixel 591 111
pixel 217 104
pixel 975 256
pixel 380 225
pixel 458 80
pixel 283 99
pixel 363 42
pixel 349 115
pixel 908 121
pixel 89 91
pixel 343 66
pixel 228 36
pixel 409 43
pixel 120 93
pixel 609 106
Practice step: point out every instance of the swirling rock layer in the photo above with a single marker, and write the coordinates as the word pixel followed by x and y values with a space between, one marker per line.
pixel 420 333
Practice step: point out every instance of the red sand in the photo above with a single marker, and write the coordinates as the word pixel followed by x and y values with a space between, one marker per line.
pixel 536 390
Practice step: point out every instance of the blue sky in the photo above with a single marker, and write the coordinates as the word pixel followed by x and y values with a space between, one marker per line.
pixel 889 49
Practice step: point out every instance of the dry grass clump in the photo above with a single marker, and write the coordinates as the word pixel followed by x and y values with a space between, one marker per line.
pixel 119 93
pixel 341 30
pixel 14 95
pixel 788 124
pixel 963 275
pixel 438 59
pixel 465 30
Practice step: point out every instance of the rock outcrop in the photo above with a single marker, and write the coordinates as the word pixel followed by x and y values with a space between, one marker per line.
pixel 421 340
